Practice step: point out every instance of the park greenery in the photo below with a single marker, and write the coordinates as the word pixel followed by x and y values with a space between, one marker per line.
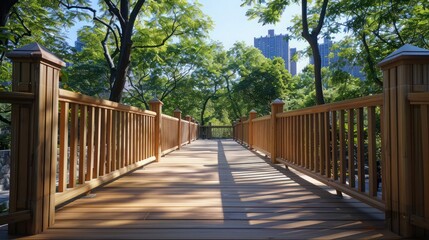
pixel 135 50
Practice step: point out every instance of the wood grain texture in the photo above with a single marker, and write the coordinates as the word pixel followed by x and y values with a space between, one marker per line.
pixel 216 190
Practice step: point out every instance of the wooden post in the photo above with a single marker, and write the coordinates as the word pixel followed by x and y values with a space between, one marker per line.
pixel 252 115
pixel 156 106
pixel 276 107
pixel 242 119
pixel 178 114
pixel 404 71
pixel 189 119
pixel 34 138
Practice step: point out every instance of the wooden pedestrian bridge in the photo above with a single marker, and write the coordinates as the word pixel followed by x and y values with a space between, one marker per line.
pixel 86 168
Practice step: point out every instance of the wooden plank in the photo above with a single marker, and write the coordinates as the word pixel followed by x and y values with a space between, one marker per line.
pixel 374 100
pixel 199 189
pixel 110 129
pixel 334 144
pixel 74 136
pixel 311 138
pixel 350 143
pixel 90 140
pixel 393 157
pixel 424 113
pixel 360 150
pixel 64 136
pixel 16 97
pixel 306 142
pixel 342 136
pixel 316 142
pixel 104 141
pixel 327 145
pixel 97 142
pixel 372 160
pixel 82 142
pixel 321 131
pixel 73 97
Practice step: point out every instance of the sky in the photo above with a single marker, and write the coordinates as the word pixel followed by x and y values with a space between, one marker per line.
pixel 231 25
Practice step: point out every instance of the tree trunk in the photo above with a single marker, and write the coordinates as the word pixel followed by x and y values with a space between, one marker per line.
pixel 317 70
pixel 122 68
pixel 203 110
pixel 5 8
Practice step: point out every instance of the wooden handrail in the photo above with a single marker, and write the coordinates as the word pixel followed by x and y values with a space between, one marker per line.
pixel 16 97
pixel 374 100
pixel 418 98
pixel 72 97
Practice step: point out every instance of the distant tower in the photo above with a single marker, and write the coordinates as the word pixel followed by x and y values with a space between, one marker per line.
pixel 292 62
pixel 325 49
pixel 78 45
pixel 275 46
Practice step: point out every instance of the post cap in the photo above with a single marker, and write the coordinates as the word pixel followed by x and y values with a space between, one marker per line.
pixel 252 111
pixel 405 52
pixel 278 101
pixel 156 100
pixel 37 52
pixel 177 110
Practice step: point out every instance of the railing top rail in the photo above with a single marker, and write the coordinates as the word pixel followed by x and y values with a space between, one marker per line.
pixel 369 101
pixel 72 97
pixel 16 97
pixel 418 98
pixel 169 117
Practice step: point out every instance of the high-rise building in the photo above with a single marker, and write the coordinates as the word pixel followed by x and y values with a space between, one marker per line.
pixel 292 69
pixel 78 45
pixel 325 49
pixel 275 46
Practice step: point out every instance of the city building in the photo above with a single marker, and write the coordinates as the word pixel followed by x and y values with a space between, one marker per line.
pixel 78 45
pixel 292 69
pixel 329 59
pixel 276 46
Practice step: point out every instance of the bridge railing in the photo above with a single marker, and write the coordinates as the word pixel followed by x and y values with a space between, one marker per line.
pixel 65 144
pixel 374 148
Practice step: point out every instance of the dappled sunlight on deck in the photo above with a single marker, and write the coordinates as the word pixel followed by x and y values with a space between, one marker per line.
pixel 215 190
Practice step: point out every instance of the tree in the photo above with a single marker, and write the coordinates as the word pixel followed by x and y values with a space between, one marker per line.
pixel 24 21
pixel 311 24
pixel 159 72
pixel 381 27
pixel 133 25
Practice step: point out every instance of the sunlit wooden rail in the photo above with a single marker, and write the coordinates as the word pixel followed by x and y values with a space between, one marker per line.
pixel 374 148
pixel 65 144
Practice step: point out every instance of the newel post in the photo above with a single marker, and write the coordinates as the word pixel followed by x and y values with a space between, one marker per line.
pixel 252 115
pixel 34 138
pixel 156 106
pixel 276 107
pixel 178 114
pixel 404 71
pixel 242 120
pixel 189 119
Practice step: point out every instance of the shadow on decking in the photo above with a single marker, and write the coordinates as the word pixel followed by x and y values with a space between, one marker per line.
pixel 216 190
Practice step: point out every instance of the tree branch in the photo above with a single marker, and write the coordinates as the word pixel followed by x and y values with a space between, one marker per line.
pixel 305 32
pixel 19 36
pixel 174 28
pixel 5 120
pixel 115 12
pixel 317 30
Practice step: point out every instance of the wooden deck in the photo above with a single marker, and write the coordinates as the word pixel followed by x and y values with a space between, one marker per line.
pixel 215 190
